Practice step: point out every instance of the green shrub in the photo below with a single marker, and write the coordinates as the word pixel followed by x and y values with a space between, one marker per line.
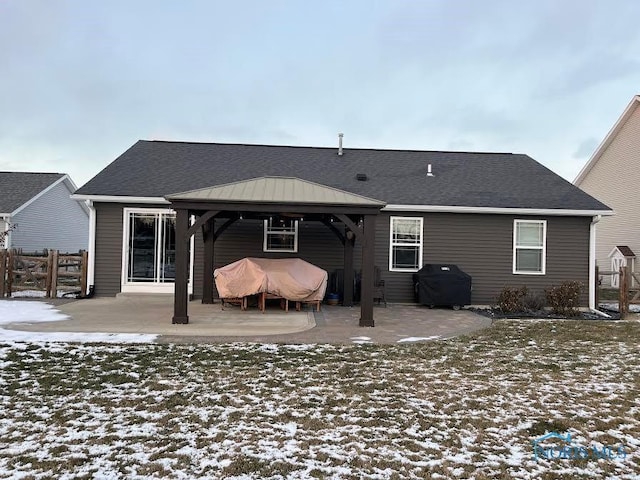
pixel 564 299
pixel 511 299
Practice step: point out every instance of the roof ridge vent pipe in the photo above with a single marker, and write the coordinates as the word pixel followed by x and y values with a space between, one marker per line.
pixel 429 172
pixel 340 135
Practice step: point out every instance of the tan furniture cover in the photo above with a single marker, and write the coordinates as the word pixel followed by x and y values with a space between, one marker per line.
pixel 290 278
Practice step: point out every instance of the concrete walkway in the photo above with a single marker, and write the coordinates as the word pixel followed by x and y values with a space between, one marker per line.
pixel 210 323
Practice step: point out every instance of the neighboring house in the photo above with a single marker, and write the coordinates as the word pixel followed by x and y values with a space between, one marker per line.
pixel 42 213
pixel 503 218
pixel 612 175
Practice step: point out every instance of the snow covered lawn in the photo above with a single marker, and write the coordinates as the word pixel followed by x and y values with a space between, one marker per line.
pixel 461 408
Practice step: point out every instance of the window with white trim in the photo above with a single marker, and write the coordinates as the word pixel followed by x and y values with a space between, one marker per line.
pixel 529 246
pixel 150 246
pixel 405 244
pixel 280 235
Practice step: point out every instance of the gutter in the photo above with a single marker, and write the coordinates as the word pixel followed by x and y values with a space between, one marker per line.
pixel 120 199
pixel 495 210
pixel 6 217
pixel 592 268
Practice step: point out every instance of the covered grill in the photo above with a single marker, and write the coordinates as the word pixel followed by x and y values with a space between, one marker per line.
pixel 442 285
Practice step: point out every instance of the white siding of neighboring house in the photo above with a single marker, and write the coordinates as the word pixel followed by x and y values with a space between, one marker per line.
pixel 53 221
pixel 614 180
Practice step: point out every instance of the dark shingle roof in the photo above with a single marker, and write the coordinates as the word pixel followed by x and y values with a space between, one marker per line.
pixel 626 251
pixel 17 188
pixel 500 180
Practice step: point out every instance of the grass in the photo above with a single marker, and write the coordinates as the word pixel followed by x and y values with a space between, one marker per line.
pixel 466 407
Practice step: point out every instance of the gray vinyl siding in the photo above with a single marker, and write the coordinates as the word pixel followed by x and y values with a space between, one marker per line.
pixel 108 262
pixel 481 245
pixel 53 221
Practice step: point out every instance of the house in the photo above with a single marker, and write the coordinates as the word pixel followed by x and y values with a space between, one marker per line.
pixel 176 210
pixel 612 175
pixel 41 213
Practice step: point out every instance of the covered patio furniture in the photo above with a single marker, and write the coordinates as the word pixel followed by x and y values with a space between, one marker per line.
pixel 289 279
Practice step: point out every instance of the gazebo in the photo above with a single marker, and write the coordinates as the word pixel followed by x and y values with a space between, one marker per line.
pixel 289 196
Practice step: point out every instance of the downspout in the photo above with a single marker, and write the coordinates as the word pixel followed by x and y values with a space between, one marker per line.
pixel 91 248
pixel 592 267
pixel 7 239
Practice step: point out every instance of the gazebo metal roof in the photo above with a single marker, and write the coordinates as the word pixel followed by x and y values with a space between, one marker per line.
pixel 288 190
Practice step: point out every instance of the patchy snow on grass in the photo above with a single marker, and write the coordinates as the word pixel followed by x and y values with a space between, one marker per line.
pixel 418 339
pixel 361 340
pixel 469 407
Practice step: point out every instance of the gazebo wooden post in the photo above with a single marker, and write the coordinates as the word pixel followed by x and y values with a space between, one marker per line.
pixel 347 280
pixel 182 267
pixel 368 267
pixel 208 230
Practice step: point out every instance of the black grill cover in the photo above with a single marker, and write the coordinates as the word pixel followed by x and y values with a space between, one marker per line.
pixel 442 285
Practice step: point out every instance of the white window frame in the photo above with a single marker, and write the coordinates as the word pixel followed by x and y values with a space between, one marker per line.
pixel 393 244
pixel 542 248
pixel 148 287
pixel 268 232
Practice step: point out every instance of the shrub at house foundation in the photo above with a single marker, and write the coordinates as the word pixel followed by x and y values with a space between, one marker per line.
pixel 511 299
pixel 564 299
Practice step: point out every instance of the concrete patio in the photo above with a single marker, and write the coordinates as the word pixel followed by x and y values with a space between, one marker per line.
pixel 211 323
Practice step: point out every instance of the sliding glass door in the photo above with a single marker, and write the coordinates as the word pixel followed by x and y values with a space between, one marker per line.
pixel 149 250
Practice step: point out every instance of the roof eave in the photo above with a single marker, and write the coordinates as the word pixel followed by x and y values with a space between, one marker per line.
pixel 118 199
pixel 497 210
pixel 635 101
pixel 63 178
pixel 263 202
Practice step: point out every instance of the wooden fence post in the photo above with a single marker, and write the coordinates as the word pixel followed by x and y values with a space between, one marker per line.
pixel 10 267
pixel 83 273
pixel 3 272
pixel 47 283
pixel 54 274
pixel 623 300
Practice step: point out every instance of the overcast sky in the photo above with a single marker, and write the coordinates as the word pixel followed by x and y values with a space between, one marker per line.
pixel 81 81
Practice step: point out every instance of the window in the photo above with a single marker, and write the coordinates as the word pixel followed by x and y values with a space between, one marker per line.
pixel 405 245
pixel 280 235
pixel 529 246
pixel 150 246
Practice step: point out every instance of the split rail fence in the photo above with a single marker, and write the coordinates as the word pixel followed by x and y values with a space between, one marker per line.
pixel 50 272
pixel 627 294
